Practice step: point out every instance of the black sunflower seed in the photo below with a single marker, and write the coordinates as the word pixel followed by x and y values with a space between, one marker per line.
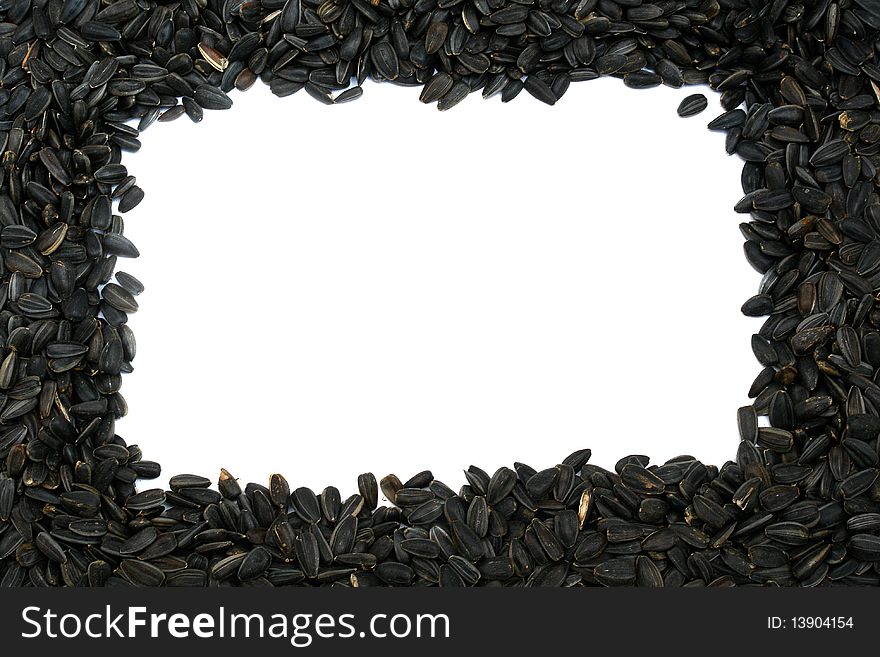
pixel 436 88
pixel 692 105
pixel 540 90
pixel 211 98
pixel 385 60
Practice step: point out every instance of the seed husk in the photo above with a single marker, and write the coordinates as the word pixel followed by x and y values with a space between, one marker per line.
pixel 213 57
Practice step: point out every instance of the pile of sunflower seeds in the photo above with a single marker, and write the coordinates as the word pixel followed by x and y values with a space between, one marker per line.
pixel 799 505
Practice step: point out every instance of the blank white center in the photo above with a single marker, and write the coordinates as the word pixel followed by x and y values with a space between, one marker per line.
pixel 383 287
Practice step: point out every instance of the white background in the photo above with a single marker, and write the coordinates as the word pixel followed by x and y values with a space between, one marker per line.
pixel 384 287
